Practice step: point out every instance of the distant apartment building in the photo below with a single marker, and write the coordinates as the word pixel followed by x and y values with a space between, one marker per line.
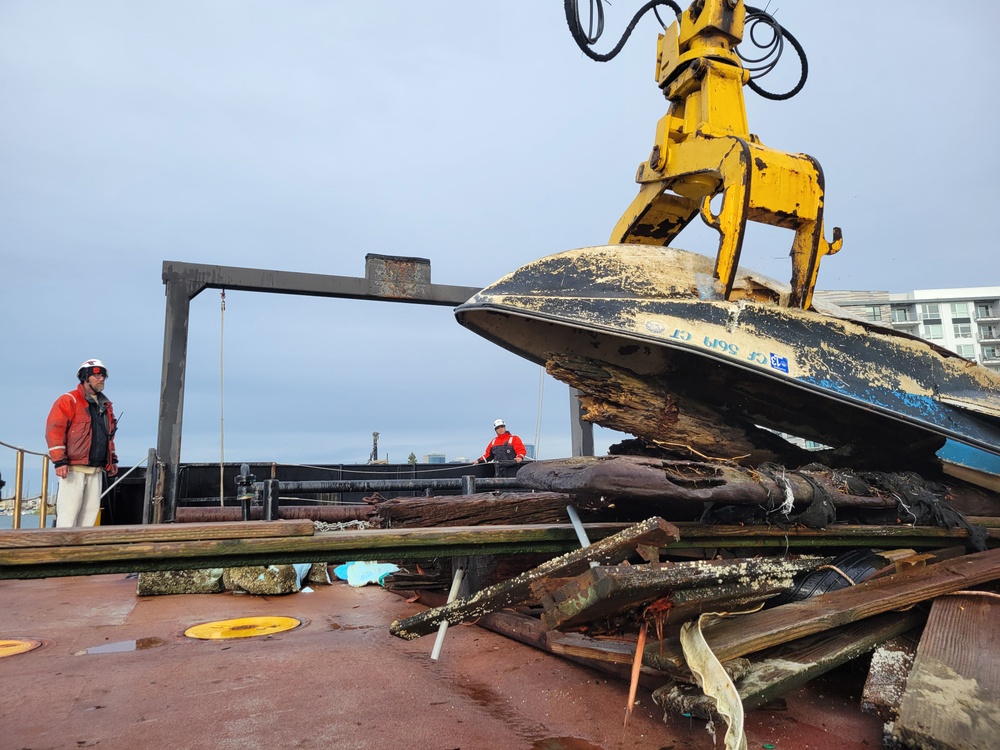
pixel 434 458
pixel 965 321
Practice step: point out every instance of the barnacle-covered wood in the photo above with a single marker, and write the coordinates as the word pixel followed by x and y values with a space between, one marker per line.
pixel 645 406
pixel 604 591
pixel 887 674
pixel 611 550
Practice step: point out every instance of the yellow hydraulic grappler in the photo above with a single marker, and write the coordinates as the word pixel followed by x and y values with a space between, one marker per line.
pixel 703 149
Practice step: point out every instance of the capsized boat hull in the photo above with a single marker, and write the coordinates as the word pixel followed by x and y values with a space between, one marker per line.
pixel 819 374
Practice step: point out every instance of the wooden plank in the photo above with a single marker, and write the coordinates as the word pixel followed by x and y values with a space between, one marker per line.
pixel 409 544
pixel 780 670
pixel 474 510
pixel 617 656
pixel 162 532
pixel 991 522
pixel 614 549
pixel 530 630
pixel 746 634
pixel 610 650
pixel 786 667
pixel 695 534
pixel 605 591
pixel 952 696
pixel 890 667
pixel 367 544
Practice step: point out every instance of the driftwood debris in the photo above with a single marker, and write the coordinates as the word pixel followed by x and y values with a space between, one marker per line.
pixel 614 549
pixel 699 482
pixel 754 632
pixel 775 672
pixel 531 632
pixel 650 408
pixel 952 695
pixel 473 510
pixel 689 416
pixel 605 591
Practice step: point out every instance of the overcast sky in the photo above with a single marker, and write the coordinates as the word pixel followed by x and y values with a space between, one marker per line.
pixel 302 135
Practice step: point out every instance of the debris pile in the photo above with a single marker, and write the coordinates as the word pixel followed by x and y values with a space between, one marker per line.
pixel 720 618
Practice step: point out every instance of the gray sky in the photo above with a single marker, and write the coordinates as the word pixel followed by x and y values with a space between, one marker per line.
pixel 302 135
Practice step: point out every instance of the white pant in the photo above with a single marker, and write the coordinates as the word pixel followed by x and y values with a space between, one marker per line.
pixel 79 498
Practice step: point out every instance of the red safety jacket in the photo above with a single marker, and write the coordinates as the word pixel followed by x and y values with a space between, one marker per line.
pixel 497 448
pixel 68 429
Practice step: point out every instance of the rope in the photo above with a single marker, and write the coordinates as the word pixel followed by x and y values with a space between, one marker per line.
pixel 835 569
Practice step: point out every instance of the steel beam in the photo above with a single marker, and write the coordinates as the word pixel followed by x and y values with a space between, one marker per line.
pixel 387 278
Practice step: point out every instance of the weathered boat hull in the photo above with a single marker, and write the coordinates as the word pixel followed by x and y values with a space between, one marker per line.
pixel 818 374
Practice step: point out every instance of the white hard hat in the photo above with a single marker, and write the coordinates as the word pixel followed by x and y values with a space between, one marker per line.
pixel 91 367
pixel 498 423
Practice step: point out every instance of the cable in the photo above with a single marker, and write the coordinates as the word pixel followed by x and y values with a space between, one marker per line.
pixel 585 40
pixel 761 66
pixel 756 20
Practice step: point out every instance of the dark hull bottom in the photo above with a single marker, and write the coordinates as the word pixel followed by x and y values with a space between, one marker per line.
pixel 863 389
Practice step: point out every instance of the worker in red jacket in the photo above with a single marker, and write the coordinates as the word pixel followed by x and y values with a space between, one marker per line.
pixel 80 433
pixel 506 449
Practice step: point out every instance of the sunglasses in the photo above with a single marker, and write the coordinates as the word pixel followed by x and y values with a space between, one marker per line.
pixel 97 372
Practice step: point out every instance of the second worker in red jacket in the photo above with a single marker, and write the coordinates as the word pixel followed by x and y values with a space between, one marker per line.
pixel 506 449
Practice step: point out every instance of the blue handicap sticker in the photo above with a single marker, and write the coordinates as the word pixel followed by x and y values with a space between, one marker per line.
pixel 779 363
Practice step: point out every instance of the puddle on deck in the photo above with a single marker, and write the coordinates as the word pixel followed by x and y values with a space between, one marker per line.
pixel 139 644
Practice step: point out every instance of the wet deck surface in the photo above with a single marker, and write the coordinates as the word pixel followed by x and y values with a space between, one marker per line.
pixel 115 671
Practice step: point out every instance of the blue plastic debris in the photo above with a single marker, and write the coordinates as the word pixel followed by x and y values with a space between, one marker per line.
pixel 361 572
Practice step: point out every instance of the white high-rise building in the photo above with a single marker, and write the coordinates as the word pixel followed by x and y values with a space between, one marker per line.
pixel 966 320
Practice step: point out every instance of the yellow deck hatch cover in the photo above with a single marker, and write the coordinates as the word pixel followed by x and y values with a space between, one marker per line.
pixel 17 646
pixel 242 627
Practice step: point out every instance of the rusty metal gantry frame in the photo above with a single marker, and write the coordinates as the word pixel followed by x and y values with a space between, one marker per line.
pixel 387 279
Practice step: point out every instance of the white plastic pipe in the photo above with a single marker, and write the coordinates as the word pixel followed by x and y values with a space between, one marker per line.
pixel 581 533
pixel 456 582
